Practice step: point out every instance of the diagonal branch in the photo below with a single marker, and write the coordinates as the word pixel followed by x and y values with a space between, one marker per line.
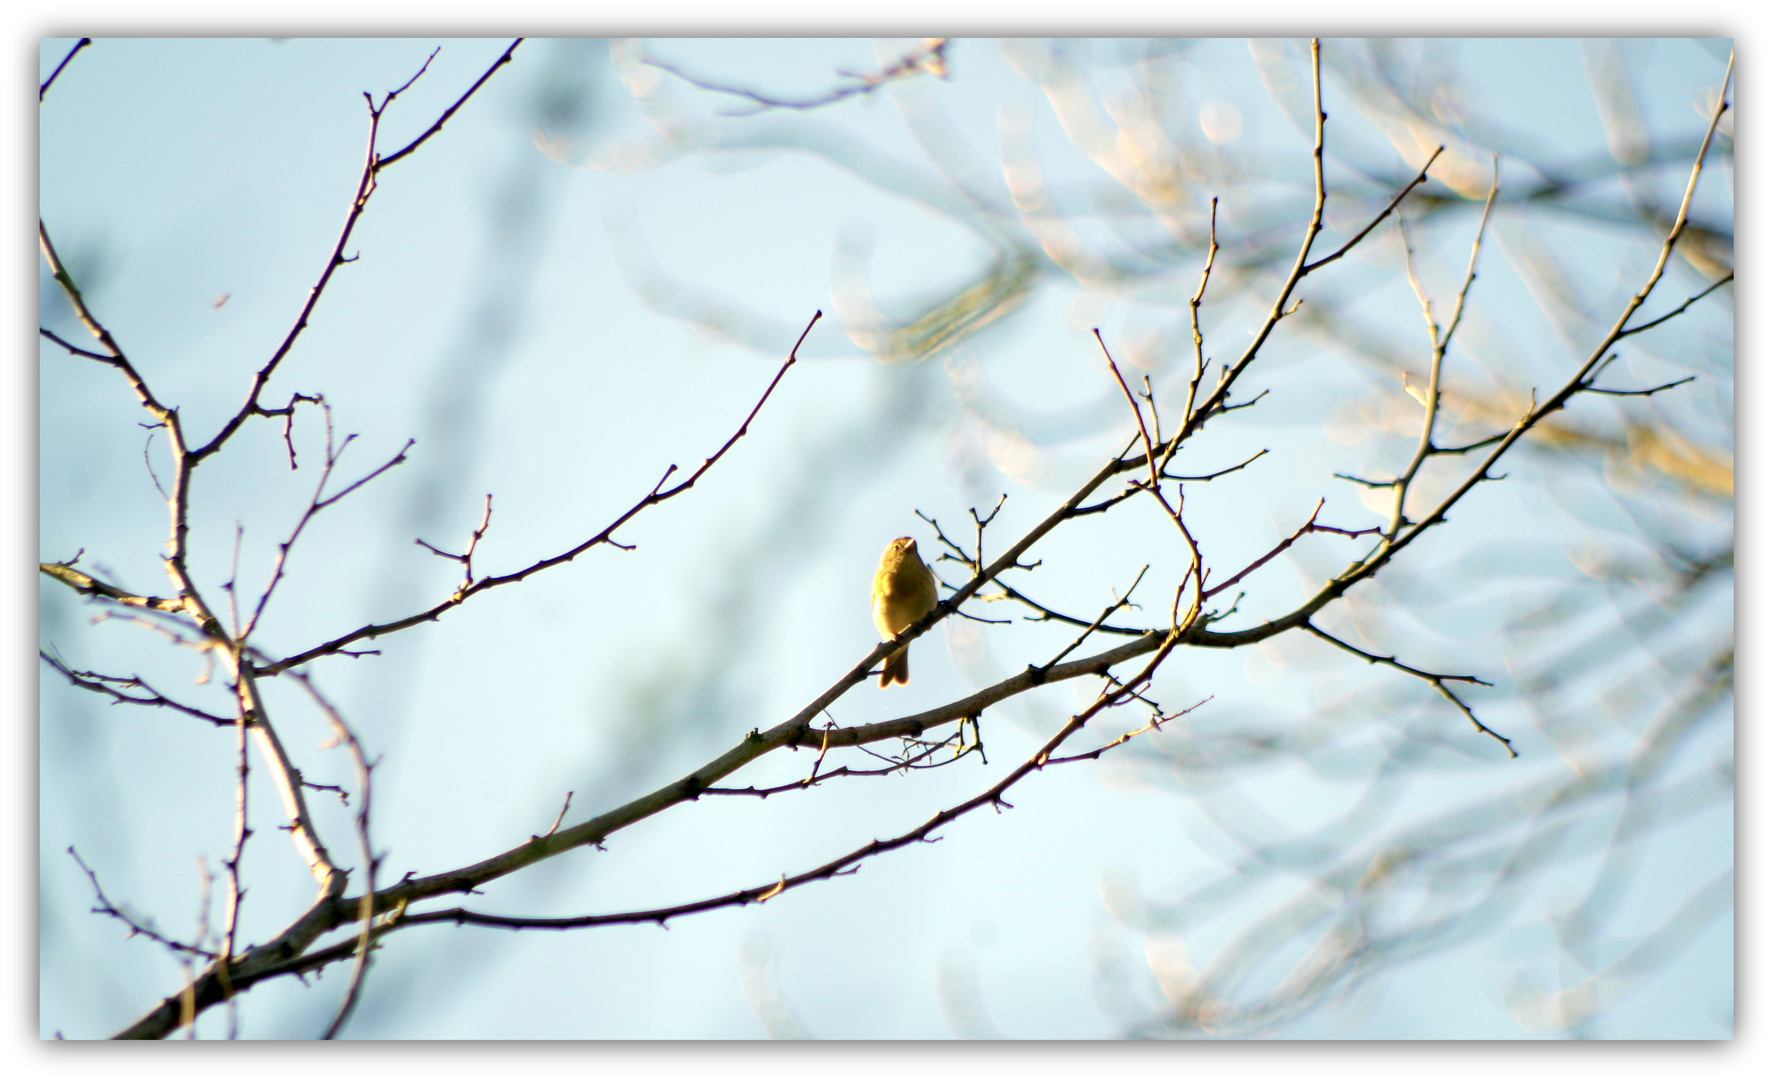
pixel 1389 208
pixel 136 927
pixel 44 89
pixel 1047 614
pixel 503 59
pixel 1310 526
pixel 373 164
pixel 113 354
pixel 87 585
pixel 658 494
pixel 108 685
pixel 844 864
pixel 1690 300
pixel 316 503
pixel 1438 682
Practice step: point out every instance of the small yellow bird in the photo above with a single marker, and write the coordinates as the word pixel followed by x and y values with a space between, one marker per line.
pixel 904 591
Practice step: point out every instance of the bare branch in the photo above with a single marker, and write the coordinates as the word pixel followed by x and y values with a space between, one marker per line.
pixel 1391 661
pixel 113 354
pixel 1154 724
pixel 87 585
pixel 1119 602
pixel 503 59
pixel 72 348
pixel 373 164
pixel 286 953
pixel 1464 449
pixel 1438 682
pixel 1195 570
pixel 1204 477
pixel 1396 201
pixel 1690 300
pixel 1301 266
pixel 1310 526
pixel 342 734
pixel 1047 614
pixel 658 494
pixel 108 686
pixel 242 833
pixel 466 558
pixel 287 412
pixel 1577 381
pixel 845 864
pixel 1193 305
pixel 561 816
pixel 316 503
pixel 44 89
pixel 1640 393
pixel 929 57
pixel 1446 692
pixel 1437 344
pixel 914 762
pixel 136 928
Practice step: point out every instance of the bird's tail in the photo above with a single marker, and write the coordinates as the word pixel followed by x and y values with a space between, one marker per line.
pixel 897 668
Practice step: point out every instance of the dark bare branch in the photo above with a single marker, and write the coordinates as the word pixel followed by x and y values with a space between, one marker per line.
pixel 44 89
pixel 504 59
pixel 1690 300
pixel 136 927
pixel 373 164
pixel 1310 526
pixel 1639 393
pixel 108 685
pixel 1389 208
pixel 658 494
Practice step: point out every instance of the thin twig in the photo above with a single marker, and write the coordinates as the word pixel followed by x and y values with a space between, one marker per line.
pixel 1196 569
pixel 1204 477
pixel 561 816
pixel 343 735
pixel 1121 601
pixel 1193 304
pixel 657 495
pixel 373 165
pixel 44 89
pixel 1047 614
pixel 1155 723
pixel 895 767
pixel 316 503
pixel 106 907
pixel 1310 526
pixel 101 684
pixel 1640 393
pixel 1437 680
pixel 1437 345
pixel 1690 300
pixel 503 59
pixel 1396 201
pixel 229 586
pixel 466 558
